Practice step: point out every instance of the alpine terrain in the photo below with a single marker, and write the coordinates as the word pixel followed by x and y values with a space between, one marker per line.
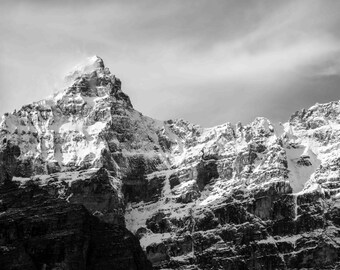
pixel 88 182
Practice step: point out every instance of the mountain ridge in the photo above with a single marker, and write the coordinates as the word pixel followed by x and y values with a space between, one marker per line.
pixel 226 197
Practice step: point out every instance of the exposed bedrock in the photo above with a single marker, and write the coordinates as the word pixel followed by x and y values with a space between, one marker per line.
pixel 8 161
pixel 87 165
pixel 250 231
pixel 39 232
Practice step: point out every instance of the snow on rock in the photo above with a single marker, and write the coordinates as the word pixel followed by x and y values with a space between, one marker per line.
pixel 194 196
pixel 89 65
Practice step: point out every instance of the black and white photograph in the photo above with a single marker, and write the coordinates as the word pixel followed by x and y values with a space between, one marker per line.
pixel 181 134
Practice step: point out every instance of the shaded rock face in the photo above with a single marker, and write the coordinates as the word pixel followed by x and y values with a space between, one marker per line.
pixel 37 232
pixel 96 189
pixel 238 196
pixel 8 161
pixel 40 231
pixel 206 171
pixel 136 186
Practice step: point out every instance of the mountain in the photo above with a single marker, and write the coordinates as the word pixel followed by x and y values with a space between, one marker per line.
pixel 255 196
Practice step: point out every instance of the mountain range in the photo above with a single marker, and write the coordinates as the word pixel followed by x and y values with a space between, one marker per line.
pixel 88 182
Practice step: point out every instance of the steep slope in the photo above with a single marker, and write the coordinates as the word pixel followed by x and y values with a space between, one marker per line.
pixel 229 197
pixel 81 142
pixel 244 197
pixel 38 231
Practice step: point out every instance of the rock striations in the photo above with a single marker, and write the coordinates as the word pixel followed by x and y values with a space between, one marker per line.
pixel 87 168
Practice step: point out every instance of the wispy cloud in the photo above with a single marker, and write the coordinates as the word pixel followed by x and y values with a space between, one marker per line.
pixel 206 61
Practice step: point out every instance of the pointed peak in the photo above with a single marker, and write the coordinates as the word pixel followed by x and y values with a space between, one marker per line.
pixel 95 59
pixel 92 79
pixel 87 66
pixel 90 64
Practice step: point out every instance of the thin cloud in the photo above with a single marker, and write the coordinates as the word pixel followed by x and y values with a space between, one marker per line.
pixel 202 60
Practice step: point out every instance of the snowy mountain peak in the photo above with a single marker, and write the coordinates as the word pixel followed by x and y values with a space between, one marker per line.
pixel 90 64
pixel 65 129
pixel 91 78
pixel 177 184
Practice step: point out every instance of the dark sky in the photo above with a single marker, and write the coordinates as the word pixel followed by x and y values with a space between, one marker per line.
pixel 209 62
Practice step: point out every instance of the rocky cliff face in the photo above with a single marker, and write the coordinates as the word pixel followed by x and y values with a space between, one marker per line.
pixel 254 196
pixel 39 231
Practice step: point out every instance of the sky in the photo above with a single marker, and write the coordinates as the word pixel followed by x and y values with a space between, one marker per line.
pixel 208 62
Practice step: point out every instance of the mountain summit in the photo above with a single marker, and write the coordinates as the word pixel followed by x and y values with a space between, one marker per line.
pixel 64 130
pixel 91 64
pixel 88 66
pixel 227 197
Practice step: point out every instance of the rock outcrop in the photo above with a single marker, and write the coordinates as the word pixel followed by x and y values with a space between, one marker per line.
pixel 38 232
pixel 254 196
pixel 8 161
